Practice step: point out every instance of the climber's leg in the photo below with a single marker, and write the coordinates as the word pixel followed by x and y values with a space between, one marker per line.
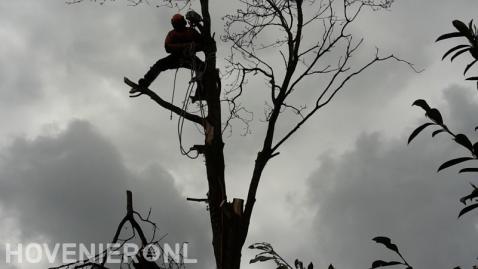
pixel 169 62
pixel 198 65
pixel 192 63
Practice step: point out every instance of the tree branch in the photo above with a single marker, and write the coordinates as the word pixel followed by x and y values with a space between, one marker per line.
pixel 338 88
pixel 191 117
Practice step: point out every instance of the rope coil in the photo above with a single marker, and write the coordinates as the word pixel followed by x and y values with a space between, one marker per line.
pixel 196 76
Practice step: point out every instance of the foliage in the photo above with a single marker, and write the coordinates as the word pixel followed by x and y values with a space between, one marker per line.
pixel 267 253
pixel 436 119
pixel 471 34
pixel 391 246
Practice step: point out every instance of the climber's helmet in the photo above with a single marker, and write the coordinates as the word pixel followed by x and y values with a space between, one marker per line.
pixel 178 21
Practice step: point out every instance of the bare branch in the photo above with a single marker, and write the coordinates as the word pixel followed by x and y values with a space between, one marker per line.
pixel 334 92
pixel 164 104
pixel 334 39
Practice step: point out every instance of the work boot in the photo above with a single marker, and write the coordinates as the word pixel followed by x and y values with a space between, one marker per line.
pixel 141 85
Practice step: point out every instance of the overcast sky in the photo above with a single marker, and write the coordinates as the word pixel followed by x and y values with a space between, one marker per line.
pixel 72 142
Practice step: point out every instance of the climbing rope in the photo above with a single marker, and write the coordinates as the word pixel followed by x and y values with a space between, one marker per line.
pixel 174 90
pixel 181 125
pixel 194 78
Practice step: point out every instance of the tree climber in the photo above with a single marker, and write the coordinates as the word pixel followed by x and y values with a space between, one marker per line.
pixel 181 43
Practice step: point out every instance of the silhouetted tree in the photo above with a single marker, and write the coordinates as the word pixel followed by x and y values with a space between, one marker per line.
pixel 313 41
pixel 469 32
pixel 132 219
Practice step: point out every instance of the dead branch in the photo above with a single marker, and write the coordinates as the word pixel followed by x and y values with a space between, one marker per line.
pixel 100 259
pixel 163 103
pixel 333 39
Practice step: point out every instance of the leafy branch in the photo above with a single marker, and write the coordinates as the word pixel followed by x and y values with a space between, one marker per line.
pixel 391 246
pixel 269 254
pixel 470 32
pixel 436 120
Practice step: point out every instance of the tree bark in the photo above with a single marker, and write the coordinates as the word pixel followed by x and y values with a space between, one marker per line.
pixel 213 153
pixel 226 218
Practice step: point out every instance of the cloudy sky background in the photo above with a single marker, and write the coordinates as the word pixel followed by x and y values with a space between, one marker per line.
pixel 72 141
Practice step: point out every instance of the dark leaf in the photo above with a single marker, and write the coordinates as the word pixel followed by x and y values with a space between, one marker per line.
pixel 310 266
pixel 471 196
pixel 421 103
pixel 261 259
pixel 386 242
pixel 458 53
pixel 467 209
pixel 469 66
pixel 449 35
pixel 418 130
pixel 464 141
pixel 453 162
pixel 379 263
pixel 437 132
pixel 461 27
pixel 468 170
pixel 458 267
pixel 260 246
pixel 298 264
pixel 472 78
pixel 434 115
pixel 331 267
pixel 470 34
pixel 255 246
pixel 453 49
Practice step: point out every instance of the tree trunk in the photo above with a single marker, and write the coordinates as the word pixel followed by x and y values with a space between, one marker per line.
pixel 226 218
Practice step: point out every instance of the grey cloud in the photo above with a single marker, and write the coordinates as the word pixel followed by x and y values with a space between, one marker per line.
pixel 383 187
pixel 75 56
pixel 61 60
pixel 71 188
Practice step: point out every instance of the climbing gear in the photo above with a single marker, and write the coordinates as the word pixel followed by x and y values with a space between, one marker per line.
pixel 196 78
pixel 174 90
pixel 199 95
pixel 182 43
pixel 193 17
